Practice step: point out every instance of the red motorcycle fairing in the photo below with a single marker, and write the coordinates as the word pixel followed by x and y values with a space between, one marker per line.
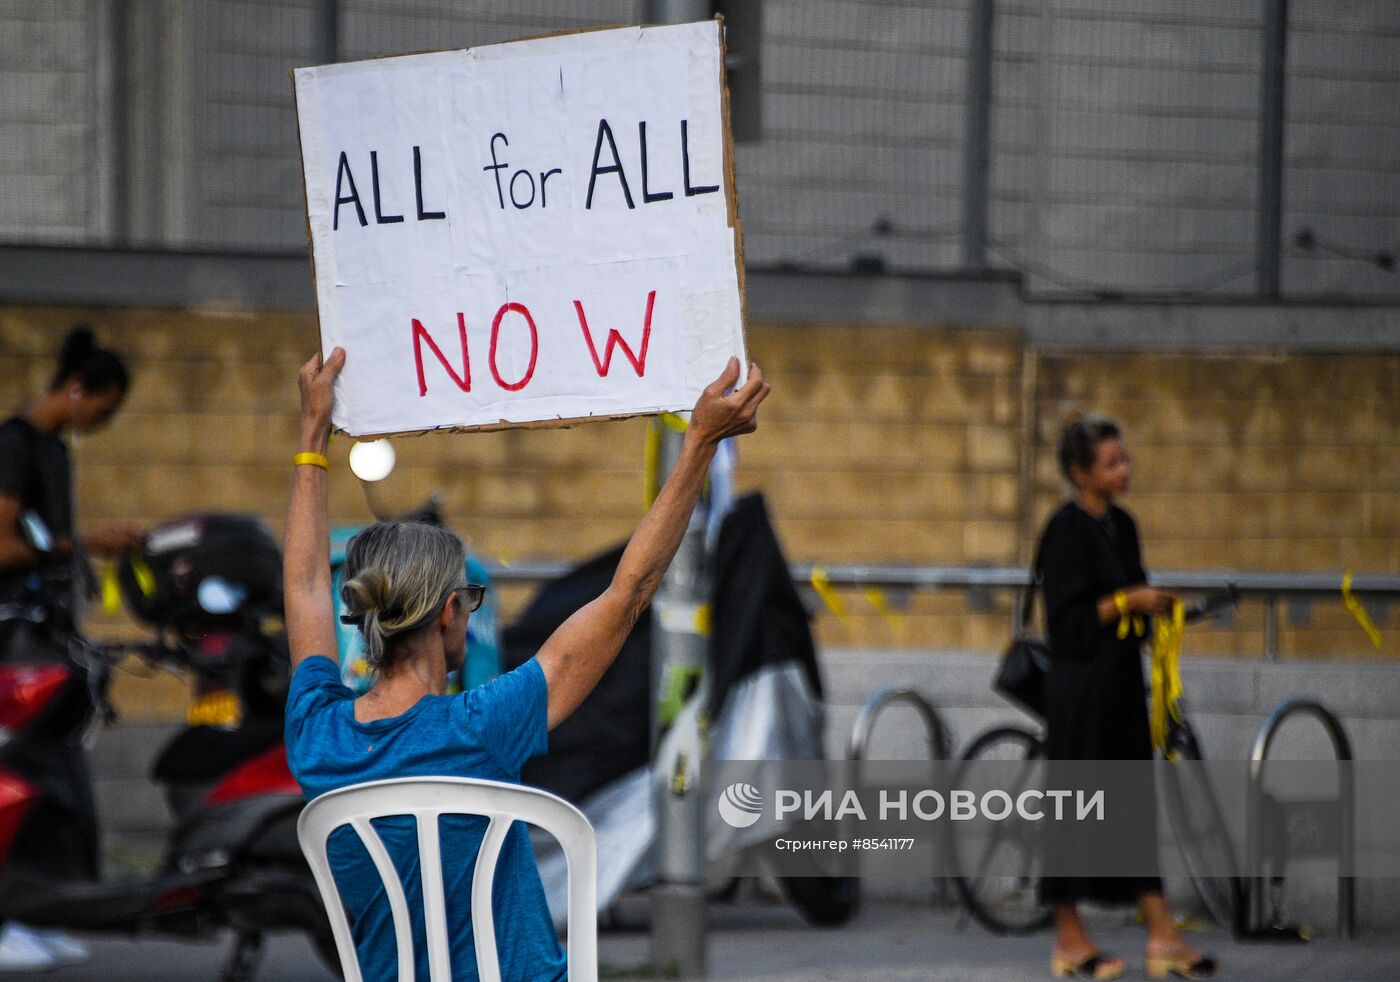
pixel 24 691
pixel 16 796
pixel 267 773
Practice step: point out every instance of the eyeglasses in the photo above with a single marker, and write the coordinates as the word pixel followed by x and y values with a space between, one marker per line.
pixel 473 594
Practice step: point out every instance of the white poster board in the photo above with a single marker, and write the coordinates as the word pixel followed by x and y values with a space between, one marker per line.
pixel 524 233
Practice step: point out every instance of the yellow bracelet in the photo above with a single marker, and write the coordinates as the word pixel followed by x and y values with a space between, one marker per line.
pixel 312 458
pixel 1120 600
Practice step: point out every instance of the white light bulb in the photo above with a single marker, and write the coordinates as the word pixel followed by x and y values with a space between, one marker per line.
pixel 373 460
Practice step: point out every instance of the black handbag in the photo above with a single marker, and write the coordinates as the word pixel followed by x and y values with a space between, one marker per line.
pixel 1021 676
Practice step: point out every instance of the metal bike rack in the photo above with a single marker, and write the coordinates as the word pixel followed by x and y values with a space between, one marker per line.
pixel 1268 822
pixel 939 746
pixel 938 740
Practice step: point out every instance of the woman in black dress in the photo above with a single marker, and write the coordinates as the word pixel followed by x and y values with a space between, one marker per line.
pixel 1090 563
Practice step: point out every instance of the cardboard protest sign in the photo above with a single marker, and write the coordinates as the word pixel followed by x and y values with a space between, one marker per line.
pixel 543 230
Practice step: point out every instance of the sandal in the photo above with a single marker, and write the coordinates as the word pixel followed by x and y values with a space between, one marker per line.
pixel 1182 968
pixel 1094 967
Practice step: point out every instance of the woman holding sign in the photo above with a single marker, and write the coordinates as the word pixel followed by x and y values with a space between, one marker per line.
pixel 403 586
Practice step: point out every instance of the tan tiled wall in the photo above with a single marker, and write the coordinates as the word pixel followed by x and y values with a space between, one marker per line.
pixel 1272 462
pixel 878 445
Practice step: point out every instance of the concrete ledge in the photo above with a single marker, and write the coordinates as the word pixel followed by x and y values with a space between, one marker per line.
pixel 996 298
pixel 1244 324
pixel 155 278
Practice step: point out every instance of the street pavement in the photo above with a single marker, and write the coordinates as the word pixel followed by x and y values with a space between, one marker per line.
pixel 761 941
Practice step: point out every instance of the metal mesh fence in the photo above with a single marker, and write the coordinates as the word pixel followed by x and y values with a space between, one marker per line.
pixel 862 135
pixel 1125 137
pixel 1124 145
pixel 48 123
pixel 1341 191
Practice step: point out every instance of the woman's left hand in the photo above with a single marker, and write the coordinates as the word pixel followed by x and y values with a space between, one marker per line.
pixel 720 413
pixel 315 381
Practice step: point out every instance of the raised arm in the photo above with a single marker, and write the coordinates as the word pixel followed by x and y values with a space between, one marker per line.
pixel 580 651
pixel 306 557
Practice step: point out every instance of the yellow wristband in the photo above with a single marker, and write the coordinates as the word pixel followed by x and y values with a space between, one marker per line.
pixel 312 458
pixel 1120 600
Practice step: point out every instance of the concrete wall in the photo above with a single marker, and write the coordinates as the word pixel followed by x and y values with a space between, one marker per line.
pixel 1127 134
pixel 1342 140
pixel 861 121
pixel 247 173
pixel 48 121
pixel 1124 134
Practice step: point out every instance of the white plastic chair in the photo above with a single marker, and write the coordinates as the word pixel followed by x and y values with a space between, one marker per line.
pixel 426 799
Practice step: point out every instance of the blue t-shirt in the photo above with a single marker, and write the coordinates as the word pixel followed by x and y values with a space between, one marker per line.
pixel 488 733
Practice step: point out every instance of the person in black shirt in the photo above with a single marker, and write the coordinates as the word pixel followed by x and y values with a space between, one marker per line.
pixel 35 478
pixel 35 474
pixel 1090 563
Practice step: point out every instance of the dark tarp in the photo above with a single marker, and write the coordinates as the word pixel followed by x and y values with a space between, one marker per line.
pixel 758 621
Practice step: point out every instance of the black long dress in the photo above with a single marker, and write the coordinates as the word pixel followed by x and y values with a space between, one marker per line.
pixel 1095 703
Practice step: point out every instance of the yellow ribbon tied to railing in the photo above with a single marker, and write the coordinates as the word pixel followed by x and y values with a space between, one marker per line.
pixel 881 603
pixel 822 584
pixel 1358 610
pixel 1166 673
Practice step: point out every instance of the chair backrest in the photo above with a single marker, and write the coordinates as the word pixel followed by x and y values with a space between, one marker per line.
pixel 426 799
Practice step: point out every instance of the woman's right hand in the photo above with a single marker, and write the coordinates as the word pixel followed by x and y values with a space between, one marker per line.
pixel 315 382
pixel 1144 599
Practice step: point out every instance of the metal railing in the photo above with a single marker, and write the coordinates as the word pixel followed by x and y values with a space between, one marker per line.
pixel 1376 590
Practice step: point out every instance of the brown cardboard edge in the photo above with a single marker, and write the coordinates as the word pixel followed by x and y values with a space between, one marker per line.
pixel 533 424
pixel 731 202
pixel 732 191
pixel 306 208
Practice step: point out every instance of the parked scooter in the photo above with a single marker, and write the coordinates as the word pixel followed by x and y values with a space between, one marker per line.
pixel 210 586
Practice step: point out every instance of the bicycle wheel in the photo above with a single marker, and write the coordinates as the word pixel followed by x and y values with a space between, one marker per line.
pixel 997 877
pixel 1198 825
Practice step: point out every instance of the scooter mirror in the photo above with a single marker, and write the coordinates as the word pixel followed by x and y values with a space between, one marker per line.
pixel 36 532
pixel 218 596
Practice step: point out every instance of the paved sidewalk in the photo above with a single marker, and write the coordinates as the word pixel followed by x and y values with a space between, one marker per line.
pixel 904 942
pixel 758 942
